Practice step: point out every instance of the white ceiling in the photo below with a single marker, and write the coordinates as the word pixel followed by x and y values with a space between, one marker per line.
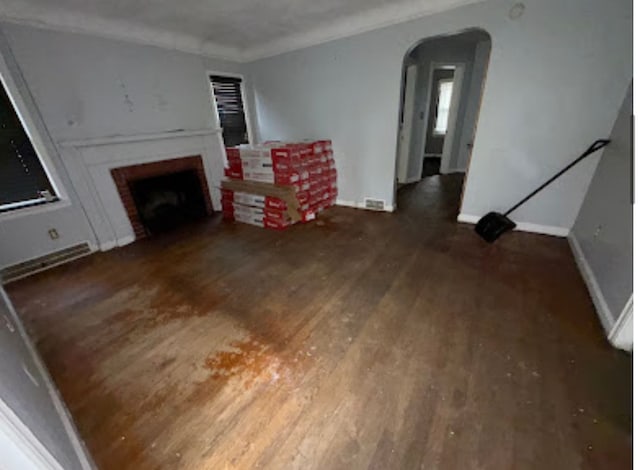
pixel 239 30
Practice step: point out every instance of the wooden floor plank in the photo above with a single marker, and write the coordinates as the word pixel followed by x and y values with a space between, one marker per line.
pixel 361 340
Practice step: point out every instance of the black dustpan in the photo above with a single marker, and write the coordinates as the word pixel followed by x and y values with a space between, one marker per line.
pixel 494 224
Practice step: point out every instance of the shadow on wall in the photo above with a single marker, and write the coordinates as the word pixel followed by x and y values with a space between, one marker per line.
pixel 443 81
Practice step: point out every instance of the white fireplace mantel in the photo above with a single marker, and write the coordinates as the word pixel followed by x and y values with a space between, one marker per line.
pixel 122 139
pixel 89 163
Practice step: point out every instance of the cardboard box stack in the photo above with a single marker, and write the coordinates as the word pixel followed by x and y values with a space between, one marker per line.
pixel 306 169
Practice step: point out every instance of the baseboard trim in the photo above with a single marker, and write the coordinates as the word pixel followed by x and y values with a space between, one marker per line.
pixel 522 226
pixel 123 241
pixel 457 170
pixel 621 335
pixel 106 246
pixel 111 244
pixel 597 297
pixel 31 450
pixel 361 205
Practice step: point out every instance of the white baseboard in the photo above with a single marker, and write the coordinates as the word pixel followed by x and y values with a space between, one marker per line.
pixel 522 226
pixel 21 448
pixel 111 244
pixel 126 240
pixel 361 205
pixel 599 302
pixel 457 170
pixel 106 246
pixel 621 335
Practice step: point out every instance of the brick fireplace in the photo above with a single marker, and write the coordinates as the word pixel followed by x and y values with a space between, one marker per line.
pixel 125 177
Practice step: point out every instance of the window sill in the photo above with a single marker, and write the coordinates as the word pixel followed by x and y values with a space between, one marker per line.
pixel 34 210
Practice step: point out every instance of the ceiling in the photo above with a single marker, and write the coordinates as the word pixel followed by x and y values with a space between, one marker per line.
pixel 239 30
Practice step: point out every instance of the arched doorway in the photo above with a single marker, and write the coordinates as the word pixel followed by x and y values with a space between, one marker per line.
pixel 442 87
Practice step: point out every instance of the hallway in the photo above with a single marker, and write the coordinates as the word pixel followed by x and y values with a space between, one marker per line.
pixel 433 197
pixel 361 340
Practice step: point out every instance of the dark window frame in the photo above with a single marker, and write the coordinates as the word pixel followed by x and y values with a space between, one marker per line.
pixel 232 114
pixel 20 138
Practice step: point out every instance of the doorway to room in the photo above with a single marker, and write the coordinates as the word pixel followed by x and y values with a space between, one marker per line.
pixel 443 82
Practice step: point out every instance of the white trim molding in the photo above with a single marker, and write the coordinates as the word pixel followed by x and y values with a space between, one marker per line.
pixel 621 335
pixel 619 332
pixel 120 242
pixel 599 302
pixel 55 18
pixel 522 226
pixel 25 450
pixel 361 205
pixel 351 25
pixel 124 139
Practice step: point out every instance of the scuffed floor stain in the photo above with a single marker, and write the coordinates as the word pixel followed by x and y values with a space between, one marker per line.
pixel 250 361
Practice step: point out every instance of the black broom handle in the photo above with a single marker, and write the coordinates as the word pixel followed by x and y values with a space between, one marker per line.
pixel 597 145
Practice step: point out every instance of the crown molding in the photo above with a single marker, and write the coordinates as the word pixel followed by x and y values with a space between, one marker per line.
pixel 352 25
pixel 53 18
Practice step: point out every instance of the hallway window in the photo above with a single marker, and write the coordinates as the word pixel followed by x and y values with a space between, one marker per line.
pixel 445 87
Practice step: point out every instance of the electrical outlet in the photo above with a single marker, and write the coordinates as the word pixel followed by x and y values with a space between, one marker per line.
pixel 53 234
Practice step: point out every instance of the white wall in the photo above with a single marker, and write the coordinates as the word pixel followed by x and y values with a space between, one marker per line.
pixel 472 101
pixel 25 389
pixel 603 232
pixel 23 233
pixel 556 78
pixel 87 87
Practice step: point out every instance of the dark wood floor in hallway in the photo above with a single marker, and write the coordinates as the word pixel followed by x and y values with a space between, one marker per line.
pixel 362 340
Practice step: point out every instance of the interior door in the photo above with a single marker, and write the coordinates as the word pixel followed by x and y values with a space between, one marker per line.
pixel 406 124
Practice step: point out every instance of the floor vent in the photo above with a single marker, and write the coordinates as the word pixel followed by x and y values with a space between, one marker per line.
pixel 374 204
pixel 20 270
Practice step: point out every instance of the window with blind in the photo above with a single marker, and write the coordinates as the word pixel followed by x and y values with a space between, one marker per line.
pixel 230 108
pixel 23 180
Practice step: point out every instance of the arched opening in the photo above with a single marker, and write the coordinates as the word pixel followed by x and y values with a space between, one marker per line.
pixel 442 87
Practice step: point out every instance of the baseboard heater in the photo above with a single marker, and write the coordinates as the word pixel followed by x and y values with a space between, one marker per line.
pixel 26 268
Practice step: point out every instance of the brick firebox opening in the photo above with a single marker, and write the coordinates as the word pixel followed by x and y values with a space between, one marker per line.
pixel 124 176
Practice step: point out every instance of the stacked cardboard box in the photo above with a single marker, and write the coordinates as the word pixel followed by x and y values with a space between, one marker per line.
pixel 306 168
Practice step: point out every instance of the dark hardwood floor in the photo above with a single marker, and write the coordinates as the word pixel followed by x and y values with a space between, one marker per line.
pixel 362 340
